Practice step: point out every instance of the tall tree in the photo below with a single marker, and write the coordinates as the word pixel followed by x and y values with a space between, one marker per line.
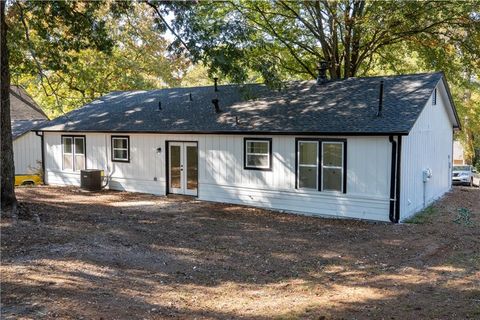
pixel 296 35
pixel 139 59
pixel 61 27
pixel 8 199
pixel 283 40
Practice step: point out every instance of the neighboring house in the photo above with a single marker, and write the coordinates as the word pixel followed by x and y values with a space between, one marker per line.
pixel 356 148
pixel 26 115
pixel 458 153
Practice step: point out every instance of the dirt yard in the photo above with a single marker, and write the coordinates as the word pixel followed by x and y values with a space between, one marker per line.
pixel 115 255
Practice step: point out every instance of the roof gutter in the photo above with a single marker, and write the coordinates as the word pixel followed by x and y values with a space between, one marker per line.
pixel 42 148
pixel 399 175
pixel 395 170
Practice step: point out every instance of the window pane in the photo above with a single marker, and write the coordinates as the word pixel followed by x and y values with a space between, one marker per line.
pixel 308 153
pixel 175 173
pixel 192 167
pixel 67 145
pixel 257 147
pixel 79 146
pixel 120 143
pixel 332 179
pixel 120 154
pixel 67 162
pixel 257 161
pixel 332 154
pixel 307 177
pixel 79 162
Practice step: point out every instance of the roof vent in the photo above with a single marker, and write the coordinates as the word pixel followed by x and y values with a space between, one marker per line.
pixel 159 105
pixel 380 100
pixel 215 83
pixel 190 97
pixel 322 72
pixel 216 105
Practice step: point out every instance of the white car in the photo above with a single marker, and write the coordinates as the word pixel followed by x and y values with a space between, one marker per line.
pixel 466 175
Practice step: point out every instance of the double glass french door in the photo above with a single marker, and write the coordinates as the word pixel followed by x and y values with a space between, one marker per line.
pixel 183 168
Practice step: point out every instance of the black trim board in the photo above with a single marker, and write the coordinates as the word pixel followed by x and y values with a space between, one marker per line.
pixel 128 148
pixel 246 132
pixel 269 140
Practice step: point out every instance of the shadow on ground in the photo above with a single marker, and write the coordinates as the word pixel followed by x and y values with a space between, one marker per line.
pixel 116 255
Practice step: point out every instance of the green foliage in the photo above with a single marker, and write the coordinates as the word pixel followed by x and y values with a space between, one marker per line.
pixel 422 217
pixel 134 55
pixel 275 41
pixel 240 41
pixel 463 217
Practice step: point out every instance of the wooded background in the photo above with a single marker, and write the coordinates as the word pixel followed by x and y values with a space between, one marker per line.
pixel 68 53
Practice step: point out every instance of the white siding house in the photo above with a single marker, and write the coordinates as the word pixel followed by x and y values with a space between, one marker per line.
pixel 27 151
pixel 26 115
pixel 375 174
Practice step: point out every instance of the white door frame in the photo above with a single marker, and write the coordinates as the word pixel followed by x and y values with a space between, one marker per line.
pixel 183 188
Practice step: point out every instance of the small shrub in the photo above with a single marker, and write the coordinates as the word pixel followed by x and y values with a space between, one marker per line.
pixel 463 217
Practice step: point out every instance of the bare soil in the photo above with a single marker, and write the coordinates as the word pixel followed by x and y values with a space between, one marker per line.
pixel 117 255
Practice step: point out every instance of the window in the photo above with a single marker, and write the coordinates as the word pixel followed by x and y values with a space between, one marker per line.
pixel 308 164
pixel 332 166
pixel 321 165
pixel 73 149
pixel 258 153
pixel 121 148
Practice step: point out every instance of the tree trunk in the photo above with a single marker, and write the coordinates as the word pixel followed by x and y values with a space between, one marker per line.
pixel 8 199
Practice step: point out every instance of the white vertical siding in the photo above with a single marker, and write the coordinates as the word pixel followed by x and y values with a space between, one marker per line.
pixel 368 178
pixel 222 176
pixel 27 153
pixel 429 145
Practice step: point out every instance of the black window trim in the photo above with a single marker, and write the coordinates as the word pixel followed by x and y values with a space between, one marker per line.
pixel 319 161
pixel 270 155
pixel 73 150
pixel 128 148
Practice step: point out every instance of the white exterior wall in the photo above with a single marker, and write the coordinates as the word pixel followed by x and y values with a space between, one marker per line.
pixel 222 177
pixel 428 145
pixel 27 153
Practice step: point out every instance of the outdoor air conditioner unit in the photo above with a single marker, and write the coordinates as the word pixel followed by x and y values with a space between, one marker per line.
pixel 91 179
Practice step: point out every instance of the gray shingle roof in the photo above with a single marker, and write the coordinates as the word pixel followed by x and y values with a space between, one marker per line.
pixel 22 106
pixel 20 127
pixel 345 106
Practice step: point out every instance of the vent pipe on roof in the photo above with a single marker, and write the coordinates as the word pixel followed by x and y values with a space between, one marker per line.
pixel 216 105
pixel 190 97
pixel 322 72
pixel 159 105
pixel 215 81
pixel 380 100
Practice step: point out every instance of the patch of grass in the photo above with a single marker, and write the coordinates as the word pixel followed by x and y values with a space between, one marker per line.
pixel 422 217
pixel 463 217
